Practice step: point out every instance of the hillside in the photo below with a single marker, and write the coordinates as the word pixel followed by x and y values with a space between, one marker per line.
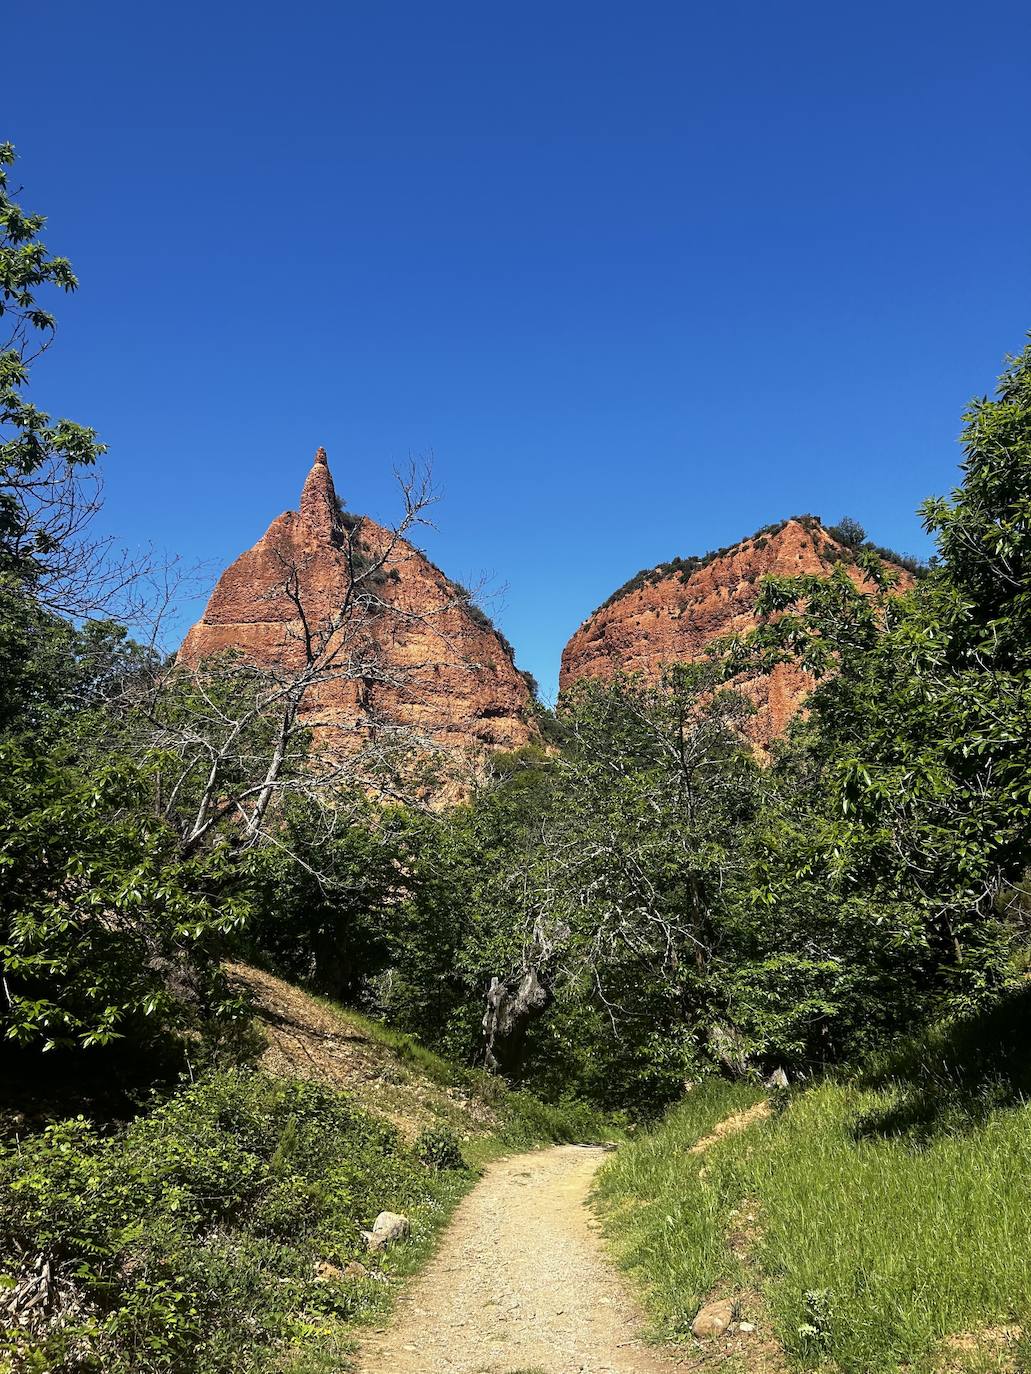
pixel 389 1073
pixel 672 612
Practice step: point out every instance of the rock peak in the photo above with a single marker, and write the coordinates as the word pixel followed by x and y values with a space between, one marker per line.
pixel 671 614
pixel 422 661
pixel 319 510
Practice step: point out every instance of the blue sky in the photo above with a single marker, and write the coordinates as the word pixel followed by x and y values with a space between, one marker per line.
pixel 642 278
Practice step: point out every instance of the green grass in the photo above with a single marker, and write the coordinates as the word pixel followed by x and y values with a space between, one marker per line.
pixel 892 1209
pixel 663 1223
pixel 406 1047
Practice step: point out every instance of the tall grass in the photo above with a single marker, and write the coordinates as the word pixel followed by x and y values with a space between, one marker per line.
pixel 892 1209
pixel 664 1224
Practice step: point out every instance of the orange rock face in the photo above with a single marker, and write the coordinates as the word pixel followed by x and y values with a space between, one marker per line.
pixel 673 613
pixel 433 664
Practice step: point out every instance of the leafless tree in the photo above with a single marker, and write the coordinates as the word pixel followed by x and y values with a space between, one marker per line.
pixel 79 572
pixel 234 737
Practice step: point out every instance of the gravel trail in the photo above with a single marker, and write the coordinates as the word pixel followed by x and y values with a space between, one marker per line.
pixel 520 1283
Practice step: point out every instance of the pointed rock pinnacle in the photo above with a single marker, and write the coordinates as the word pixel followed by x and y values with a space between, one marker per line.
pixel 304 562
pixel 318 499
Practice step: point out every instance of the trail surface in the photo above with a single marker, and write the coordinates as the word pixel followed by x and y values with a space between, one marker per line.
pixel 520 1283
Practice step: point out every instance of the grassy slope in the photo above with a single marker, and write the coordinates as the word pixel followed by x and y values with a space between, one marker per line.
pixel 395 1077
pixel 890 1212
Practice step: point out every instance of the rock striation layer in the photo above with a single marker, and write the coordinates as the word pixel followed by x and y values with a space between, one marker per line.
pixel 436 664
pixel 671 614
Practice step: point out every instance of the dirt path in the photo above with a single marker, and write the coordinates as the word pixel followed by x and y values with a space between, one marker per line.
pixel 730 1125
pixel 520 1283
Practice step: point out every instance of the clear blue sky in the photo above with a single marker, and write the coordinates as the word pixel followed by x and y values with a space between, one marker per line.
pixel 642 277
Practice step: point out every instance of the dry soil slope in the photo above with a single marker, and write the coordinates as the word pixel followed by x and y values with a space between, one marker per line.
pixel 306 1037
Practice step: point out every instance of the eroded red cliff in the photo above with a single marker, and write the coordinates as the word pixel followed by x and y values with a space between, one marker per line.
pixel 672 613
pixel 434 663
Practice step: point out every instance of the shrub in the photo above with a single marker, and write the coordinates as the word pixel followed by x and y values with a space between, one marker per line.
pixel 188 1241
pixel 848 531
pixel 438 1148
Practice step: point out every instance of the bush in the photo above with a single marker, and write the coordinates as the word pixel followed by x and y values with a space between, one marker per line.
pixel 531 1121
pixel 848 531
pixel 438 1148
pixel 188 1241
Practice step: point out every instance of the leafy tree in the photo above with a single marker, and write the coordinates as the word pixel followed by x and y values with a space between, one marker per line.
pixel 984 531
pixel 579 898
pixel 848 531
pixel 41 510
pixel 921 730
pixel 104 930
pixel 325 895
pixel 460 920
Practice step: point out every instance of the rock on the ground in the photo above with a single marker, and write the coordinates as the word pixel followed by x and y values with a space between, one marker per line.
pixel 386 1229
pixel 713 1320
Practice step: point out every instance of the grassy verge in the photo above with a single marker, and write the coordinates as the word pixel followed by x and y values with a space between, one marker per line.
pixel 663 1223
pixel 891 1211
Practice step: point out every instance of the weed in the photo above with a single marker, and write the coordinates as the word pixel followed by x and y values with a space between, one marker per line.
pixel 438 1148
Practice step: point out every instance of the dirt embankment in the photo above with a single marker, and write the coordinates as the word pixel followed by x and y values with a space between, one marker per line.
pixel 308 1038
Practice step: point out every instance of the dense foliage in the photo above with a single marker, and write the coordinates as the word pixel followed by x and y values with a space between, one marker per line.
pixel 106 928
pixel 189 1242
pixel 618 909
pixel 677 905
pixel 39 456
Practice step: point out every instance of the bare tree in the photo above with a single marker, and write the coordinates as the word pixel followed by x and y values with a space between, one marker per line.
pixel 77 571
pixel 234 737
pixel 619 884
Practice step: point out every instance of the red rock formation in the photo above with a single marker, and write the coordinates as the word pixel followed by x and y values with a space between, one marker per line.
pixel 452 676
pixel 672 613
